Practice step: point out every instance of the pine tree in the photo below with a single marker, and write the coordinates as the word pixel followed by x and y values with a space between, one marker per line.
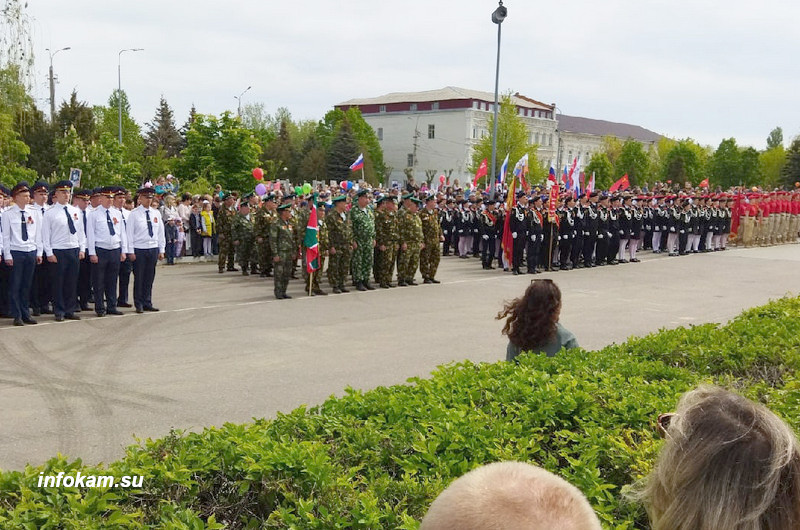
pixel 791 171
pixel 186 126
pixel 343 152
pixel 77 114
pixel 161 132
pixel 313 164
pixel 280 152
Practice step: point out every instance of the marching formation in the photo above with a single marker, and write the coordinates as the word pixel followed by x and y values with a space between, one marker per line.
pixel 64 249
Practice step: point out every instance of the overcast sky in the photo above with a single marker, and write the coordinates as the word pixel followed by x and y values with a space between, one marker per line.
pixel 684 68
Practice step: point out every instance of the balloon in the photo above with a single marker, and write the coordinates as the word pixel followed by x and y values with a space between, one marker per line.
pixel 306 188
pixel 797 184
pixel 298 190
pixel 441 179
pixel 349 185
pixel 258 173
pixel 261 190
pixel 343 184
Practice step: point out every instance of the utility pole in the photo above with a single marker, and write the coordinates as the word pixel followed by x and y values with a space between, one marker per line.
pixel 119 85
pixel 53 84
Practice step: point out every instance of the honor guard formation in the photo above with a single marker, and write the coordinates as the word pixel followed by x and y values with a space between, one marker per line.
pixel 64 249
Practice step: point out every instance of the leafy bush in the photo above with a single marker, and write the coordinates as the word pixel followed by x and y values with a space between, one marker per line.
pixel 377 459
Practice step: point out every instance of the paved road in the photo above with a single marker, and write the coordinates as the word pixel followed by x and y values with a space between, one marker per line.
pixel 223 350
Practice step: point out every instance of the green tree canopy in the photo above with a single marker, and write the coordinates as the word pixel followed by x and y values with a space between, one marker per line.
pixel 725 167
pixel 634 161
pixel 775 138
pixel 603 171
pixel 770 165
pixel 161 132
pixel 791 169
pixel 685 161
pixel 77 114
pixel 366 139
pixel 107 119
pixel 343 151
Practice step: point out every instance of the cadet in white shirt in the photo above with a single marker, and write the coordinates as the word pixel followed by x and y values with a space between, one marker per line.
pixel 22 250
pixel 5 193
pixel 125 267
pixel 41 293
pixel 80 199
pixel 63 239
pixel 146 244
pixel 107 245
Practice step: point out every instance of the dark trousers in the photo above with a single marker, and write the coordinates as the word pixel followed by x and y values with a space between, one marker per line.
pixel 4 272
pixel 476 244
pixel 65 281
pixel 683 238
pixel 170 252
pixel 577 248
pixel 125 268
pixel 601 248
pixel 20 283
pixel 197 244
pixel 519 252
pixel 446 244
pixel 85 282
pixel 40 289
pixel 104 279
pixel 588 250
pixel 144 273
pixel 564 248
pixel 613 248
pixel 533 251
pixel 487 255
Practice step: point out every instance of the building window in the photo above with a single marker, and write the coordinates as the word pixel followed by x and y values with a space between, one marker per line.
pixel 431 131
pixel 435 105
pixel 551 140
pixel 382 108
pixel 410 159
pixel 474 133
pixel 413 107
pixel 537 138
pixel 379 132
pixel 476 105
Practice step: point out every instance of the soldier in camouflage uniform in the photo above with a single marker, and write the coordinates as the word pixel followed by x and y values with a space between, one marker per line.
pixel 242 234
pixel 302 217
pixel 262 219
pixel 411 243
pixel 282 244
pixel 224 220
pixel 432 235
pixel 387 239
pixel 362 220
pixel 340 244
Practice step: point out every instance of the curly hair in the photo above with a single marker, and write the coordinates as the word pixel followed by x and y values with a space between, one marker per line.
pixel 531 319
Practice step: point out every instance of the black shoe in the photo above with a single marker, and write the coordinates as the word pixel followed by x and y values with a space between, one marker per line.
pixel 269 275
pixel 344 290
pixel 29 321
pixel 563 268
pixel 402 284
pixel 151 309
pixel 623 261
pixel 262 275
pixel 286 297
pixel 139 310
pixel 336 290
pixel 515 272
pixel 319 292
pixel 36 312
pixel 412 282
pixel 434 280
pixel 636 260
pixel 126 304
pixel 384 286
pixel 59 318
pixel 360 287
pixel 391 285
pixel 85 307
pixel 18 322
pixel 427 280
pixel 100 313
pixel 72 316
pixel 368 286
pixel 113 312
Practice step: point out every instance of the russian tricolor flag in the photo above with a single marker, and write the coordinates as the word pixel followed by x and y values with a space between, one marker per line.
pixel 358 164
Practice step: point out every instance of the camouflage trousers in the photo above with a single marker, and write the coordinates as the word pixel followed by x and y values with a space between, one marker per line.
pixel 226 252
pixel 362 261
pixel 429 260
pixel 317 273
pixel 338 267
pixel 264 256
pixel 282 272
pixel 408 262
pixel 245 256
pixel 384 264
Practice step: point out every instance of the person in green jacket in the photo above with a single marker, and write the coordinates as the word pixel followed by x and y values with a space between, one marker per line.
pixel 284 252
pixel 242 234
pixel 411 243
pixel 363 221
pixel 340 244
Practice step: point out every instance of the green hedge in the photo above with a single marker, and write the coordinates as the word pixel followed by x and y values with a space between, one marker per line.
pixel 377 459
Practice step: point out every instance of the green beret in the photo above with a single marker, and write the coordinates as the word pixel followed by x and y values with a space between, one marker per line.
pixel 408 196
pixel 340 198
pixel 385 198
pixel 284 207
pixel 224 195
pixel 414 199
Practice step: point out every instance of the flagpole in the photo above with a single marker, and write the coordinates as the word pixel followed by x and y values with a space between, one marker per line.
pixel 310 278
pixel 550 249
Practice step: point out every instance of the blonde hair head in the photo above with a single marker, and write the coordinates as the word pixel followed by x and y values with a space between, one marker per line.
pixel 728 464
pixel 510 496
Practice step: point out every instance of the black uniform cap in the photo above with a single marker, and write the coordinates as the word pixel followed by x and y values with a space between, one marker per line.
pixel 40 185
pixel 21 186
pixel 64 185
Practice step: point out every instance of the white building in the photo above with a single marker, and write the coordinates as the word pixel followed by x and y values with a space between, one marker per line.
pixel 435 131
pixel 582 137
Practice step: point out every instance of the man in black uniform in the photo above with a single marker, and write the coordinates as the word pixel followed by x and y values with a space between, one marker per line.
pixel 684 227
pixel 603 230
pixel 488 223
pixel 518 224
pixel 535 231
pixel 590 225
pixel 566 232
pixel 476 228
pixel 613 227
pixel 447 220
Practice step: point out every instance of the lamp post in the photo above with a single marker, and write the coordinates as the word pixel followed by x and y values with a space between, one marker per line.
pixel 498 16
pixel 119 85
pixel 239 99
pixel 53 84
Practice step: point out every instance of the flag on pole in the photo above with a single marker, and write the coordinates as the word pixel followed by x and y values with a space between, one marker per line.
pixel 704 183
pixel 552 176
pixel 508 239
pixel 590 186
pixel 482 172
pixel 621 184
pixel 358 164
pixel 503 171
pixel 311 241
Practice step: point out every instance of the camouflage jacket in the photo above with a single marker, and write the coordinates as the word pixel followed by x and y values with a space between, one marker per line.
pixel 224 221
pixel 242 229
pixel 340 232
pixel 261 222
pixel 410 228
pixel 282 239
pixel 363 223
pixel 386 228
pixel 431 229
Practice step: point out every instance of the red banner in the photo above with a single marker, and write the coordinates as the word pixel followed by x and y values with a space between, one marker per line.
pixel 551 206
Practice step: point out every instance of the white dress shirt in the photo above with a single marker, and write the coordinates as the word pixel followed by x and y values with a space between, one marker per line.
pixel 11 222
pixel 55 229
pixel 138 234
pixel 98 235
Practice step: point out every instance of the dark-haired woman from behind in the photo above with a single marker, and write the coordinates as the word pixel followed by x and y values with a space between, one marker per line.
pixel 532 322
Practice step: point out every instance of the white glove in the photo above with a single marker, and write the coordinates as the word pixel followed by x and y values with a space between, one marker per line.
pixel 514 235
pixel 486 236
pixel 541 237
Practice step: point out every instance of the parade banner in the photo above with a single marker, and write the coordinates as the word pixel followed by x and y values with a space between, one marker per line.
pixel 551 206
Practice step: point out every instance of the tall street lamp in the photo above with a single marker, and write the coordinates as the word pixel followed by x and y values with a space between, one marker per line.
pixel 239 98
pixel 53 84
pixel 119 85
pixel 498 16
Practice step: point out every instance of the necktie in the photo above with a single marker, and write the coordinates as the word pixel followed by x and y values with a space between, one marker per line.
pixel 110 224
pixel 84 222
pixel 69 221
pixel 24 227
pixel 149 223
